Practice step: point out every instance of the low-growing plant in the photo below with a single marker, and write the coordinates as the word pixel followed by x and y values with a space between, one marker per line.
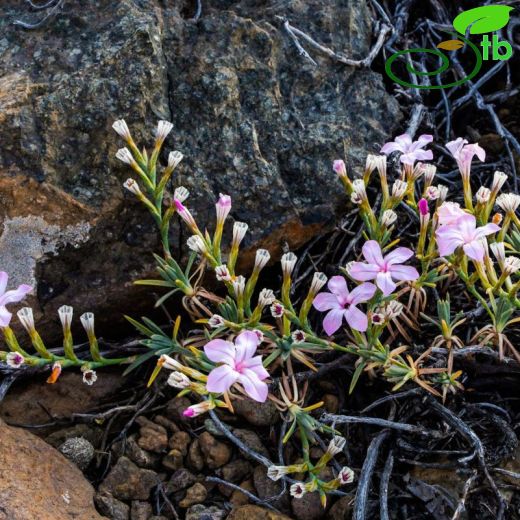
pixel 252 341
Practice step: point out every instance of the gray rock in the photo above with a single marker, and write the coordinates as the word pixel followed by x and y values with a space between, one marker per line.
pixel 111 507
pixel 79 451
pixel 251 115
pixel 257 414
pixel 126 481
pixel 140 510
pixel 201 512
pixel 181 479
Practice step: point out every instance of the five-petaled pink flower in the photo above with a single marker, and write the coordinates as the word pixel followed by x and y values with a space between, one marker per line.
pixel 464 232
pixel 239 364
pixel 7 297
pixel 463 153
pixel 342 304
pixel 385 270
pixel 411 150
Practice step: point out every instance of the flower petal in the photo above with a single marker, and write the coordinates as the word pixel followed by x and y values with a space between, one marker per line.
pixel 362 272
pixel 356 319
pixel 3 282
pixel 385 283
pixel 326 301
pixel 422 141
pixel 448 239
pixel 253 387
pixel 338 285
pixel 362 293
pixel 246 344
pixel 404 140
pixel 221 378
pixel 372 252
pixel 255 364
pixel 398 256
pixel 333 320
pixel 454 147
pixel 391 147
pixel 16 295
pixel 5 317
pixel 220 351
pixel 423 155
pixel 403 272
pixel 475 250
pixel 488 229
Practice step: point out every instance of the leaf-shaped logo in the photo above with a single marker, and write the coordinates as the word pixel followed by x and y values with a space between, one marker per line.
pixel 482 20
pixel 450 45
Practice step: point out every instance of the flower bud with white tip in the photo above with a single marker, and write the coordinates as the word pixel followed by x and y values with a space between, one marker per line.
pixel 133 187
pixel 163 129
pixel 122 129
pixel 216 321
pixel 196 244
pixel 26 317
pixel 178 380
pixel 174 158
pixel 388 218
pixel 181 194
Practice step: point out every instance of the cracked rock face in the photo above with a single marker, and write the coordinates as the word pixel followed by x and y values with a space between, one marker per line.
pixel 253 118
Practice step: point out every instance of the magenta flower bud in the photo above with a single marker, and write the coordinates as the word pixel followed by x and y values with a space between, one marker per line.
pixel 423 207
pixel 223 208
pixel 339 167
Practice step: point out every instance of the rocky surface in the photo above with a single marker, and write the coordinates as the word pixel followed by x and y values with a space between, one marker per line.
pixel 37 482
pixel 253 118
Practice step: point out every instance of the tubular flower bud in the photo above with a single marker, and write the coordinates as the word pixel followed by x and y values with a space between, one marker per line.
pixel 239 232
pixel 196 244
pixel 277 472
pixel 318 281
pixel 511 265
pixel 483 194
pixel 499 251
pixel 508 202
pixel 181 194
pixel 133 187
pixel 298 336
pixel 223 207
pixel 336 445
pixel 87 320
pixel 89 377
pixel 125 155
pixel 55 373
pixel 14 359
pixel 432 193
pixel 178 380
pixel 288 261
pixel 399 189
pixel 261 259
pixel 197 409
pixel 163 129
pixel 423 207
pixel 359 189
pixel 122 130
pixel 340 168
pixel 174 158
pixel 499 180
pixel 266 297
pixel 298 490
pixel 388 218
pixel 185 214
pixel 222 273
pixel 429 173
pixel 239 284
pixel 443 192
pixel 277 310
pixel 345 476
pixel 65 313
pixel 26 318
pixel 216 321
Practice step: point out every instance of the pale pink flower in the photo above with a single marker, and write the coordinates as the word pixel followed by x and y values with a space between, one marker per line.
pixel 411 150
pixel 7 297
pixel 463 153
pixel 239 364
pixel 223 207
pixel 340 168
pixel 449 212
pixel 342 304
pixel 464 233
pixel 385 270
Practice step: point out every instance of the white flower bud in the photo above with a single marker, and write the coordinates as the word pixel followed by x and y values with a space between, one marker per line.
pixel 288 262
pixel 388 218
pixel 196 244
pixel 266 297
pixel 181 194
pixel 174 158
pixel 121 128
pixel 261 259
pixel 483 194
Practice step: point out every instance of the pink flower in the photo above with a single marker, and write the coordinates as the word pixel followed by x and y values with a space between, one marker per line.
pixel 466 234
pixel 7 297
pixel 411 151
pixel 449 212
pixel 223 207
pixel 342 304
pixel 423 207
pixel 238 365
pixel 339 167
pixel 463 153
pixel 384 269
